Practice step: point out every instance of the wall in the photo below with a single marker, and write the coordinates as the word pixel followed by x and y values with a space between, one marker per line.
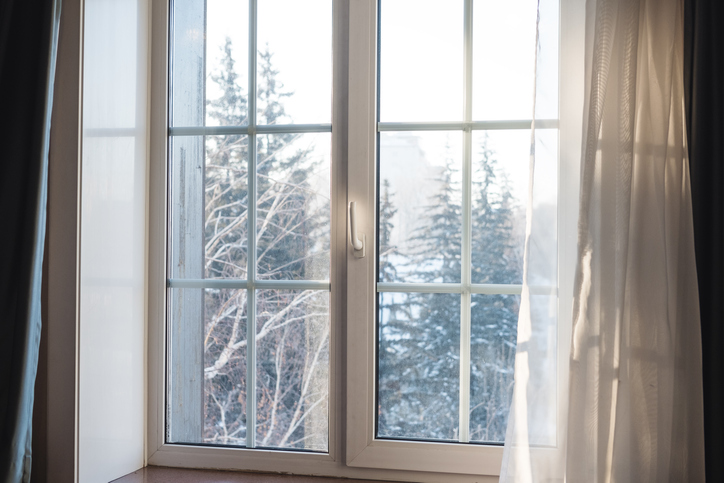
pixel 91 385
pixel 112 239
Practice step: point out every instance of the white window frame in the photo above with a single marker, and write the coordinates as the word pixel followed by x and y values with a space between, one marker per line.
pixel 353 450
pixel 363 448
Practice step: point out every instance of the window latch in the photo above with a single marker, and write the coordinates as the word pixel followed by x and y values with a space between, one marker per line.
pixel 358 246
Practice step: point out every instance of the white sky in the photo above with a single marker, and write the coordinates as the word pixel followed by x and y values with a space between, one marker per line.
pixel 421 63
pixel 298 33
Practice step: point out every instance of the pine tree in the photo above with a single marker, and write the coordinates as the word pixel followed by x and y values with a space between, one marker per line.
pixel 422 351
pixel 395 314
pixel 269 94
pixel 226 176
pixel 288 223
pixel 230 109
pixel 440 237
pixel 283 187
pixel 387 269
pixel 419 341
pixel 494 317
pixel 419 333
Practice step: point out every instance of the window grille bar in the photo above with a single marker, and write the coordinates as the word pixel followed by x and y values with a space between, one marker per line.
pixel 206 283
pixel 251 240
pixel 475 288
pixel 496 289
pixel 293 285
pixel 469 125
pixel 266 129
pixel 321 285
pixel 384 287
pixel 465 310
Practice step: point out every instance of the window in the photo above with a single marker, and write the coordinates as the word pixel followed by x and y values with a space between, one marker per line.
pixel 452 187
pixel 249 208
pixel 267 330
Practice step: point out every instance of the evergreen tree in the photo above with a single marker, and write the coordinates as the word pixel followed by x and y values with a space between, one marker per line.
pixel 287 224
pixel 395 315
pixel 440 237
pixel 387 251
pixel 230 109
pixel 493 247
pixel 419 340
pixel 494 317
pixel 419 389
pixel 419 333
pixel 290 324
pixel 269 94
pixel 226 178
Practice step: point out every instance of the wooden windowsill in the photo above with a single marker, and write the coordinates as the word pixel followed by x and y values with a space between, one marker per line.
pixel 160 474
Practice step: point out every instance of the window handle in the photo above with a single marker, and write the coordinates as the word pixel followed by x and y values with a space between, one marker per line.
pixel 358 246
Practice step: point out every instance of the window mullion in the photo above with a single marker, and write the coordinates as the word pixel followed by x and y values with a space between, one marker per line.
pixel 251 239
pixel 268 129
pixel 464 415
pixel 505 125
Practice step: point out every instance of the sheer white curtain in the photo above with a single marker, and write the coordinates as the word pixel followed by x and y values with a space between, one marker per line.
pixel 634 404
pixel 533 434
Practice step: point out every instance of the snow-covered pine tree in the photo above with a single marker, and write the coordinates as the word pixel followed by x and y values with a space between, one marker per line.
pixel 287 223
pixel 419 347
pixel 496 258
pixel 421 361
pixel 395 314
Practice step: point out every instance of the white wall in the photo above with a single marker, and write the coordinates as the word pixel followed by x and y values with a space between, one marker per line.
pixel 111 355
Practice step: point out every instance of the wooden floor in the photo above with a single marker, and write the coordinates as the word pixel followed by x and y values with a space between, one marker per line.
pixel 157 474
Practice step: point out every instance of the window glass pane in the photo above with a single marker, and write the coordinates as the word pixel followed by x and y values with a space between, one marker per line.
pixel 419 212
pixel 421 60
pixel 419 353
pixel 430 215
pixel 494 324
pixel 294 63
pixel 293 207
pixel 209 206
pixel 225 206
pixel 225 366
pixel 292 369
pixel 546 77
pixel 207 377
pixel 227 62
pixel 187 166
pixel 209 200
pixel 503 59
pixel 499 195
pixel 544 260
pixel 209 78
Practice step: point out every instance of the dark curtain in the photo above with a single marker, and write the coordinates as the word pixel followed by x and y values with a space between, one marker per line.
pixel 28 41
pixel 704 79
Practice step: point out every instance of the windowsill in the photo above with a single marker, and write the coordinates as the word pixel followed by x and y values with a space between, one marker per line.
pixel 160 474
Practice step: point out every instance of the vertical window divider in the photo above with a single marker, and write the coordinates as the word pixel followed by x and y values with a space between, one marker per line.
pixel 465 258
pixel 251 240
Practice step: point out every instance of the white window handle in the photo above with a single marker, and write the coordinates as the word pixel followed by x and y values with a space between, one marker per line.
pixel 358 246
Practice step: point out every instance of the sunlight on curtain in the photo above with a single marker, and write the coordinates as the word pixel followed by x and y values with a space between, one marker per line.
pixel 532 435
pixel 635 392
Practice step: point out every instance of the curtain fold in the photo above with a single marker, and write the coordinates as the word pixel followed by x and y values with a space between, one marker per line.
pixel 634 404
pixel 28 43
pixel 533 438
